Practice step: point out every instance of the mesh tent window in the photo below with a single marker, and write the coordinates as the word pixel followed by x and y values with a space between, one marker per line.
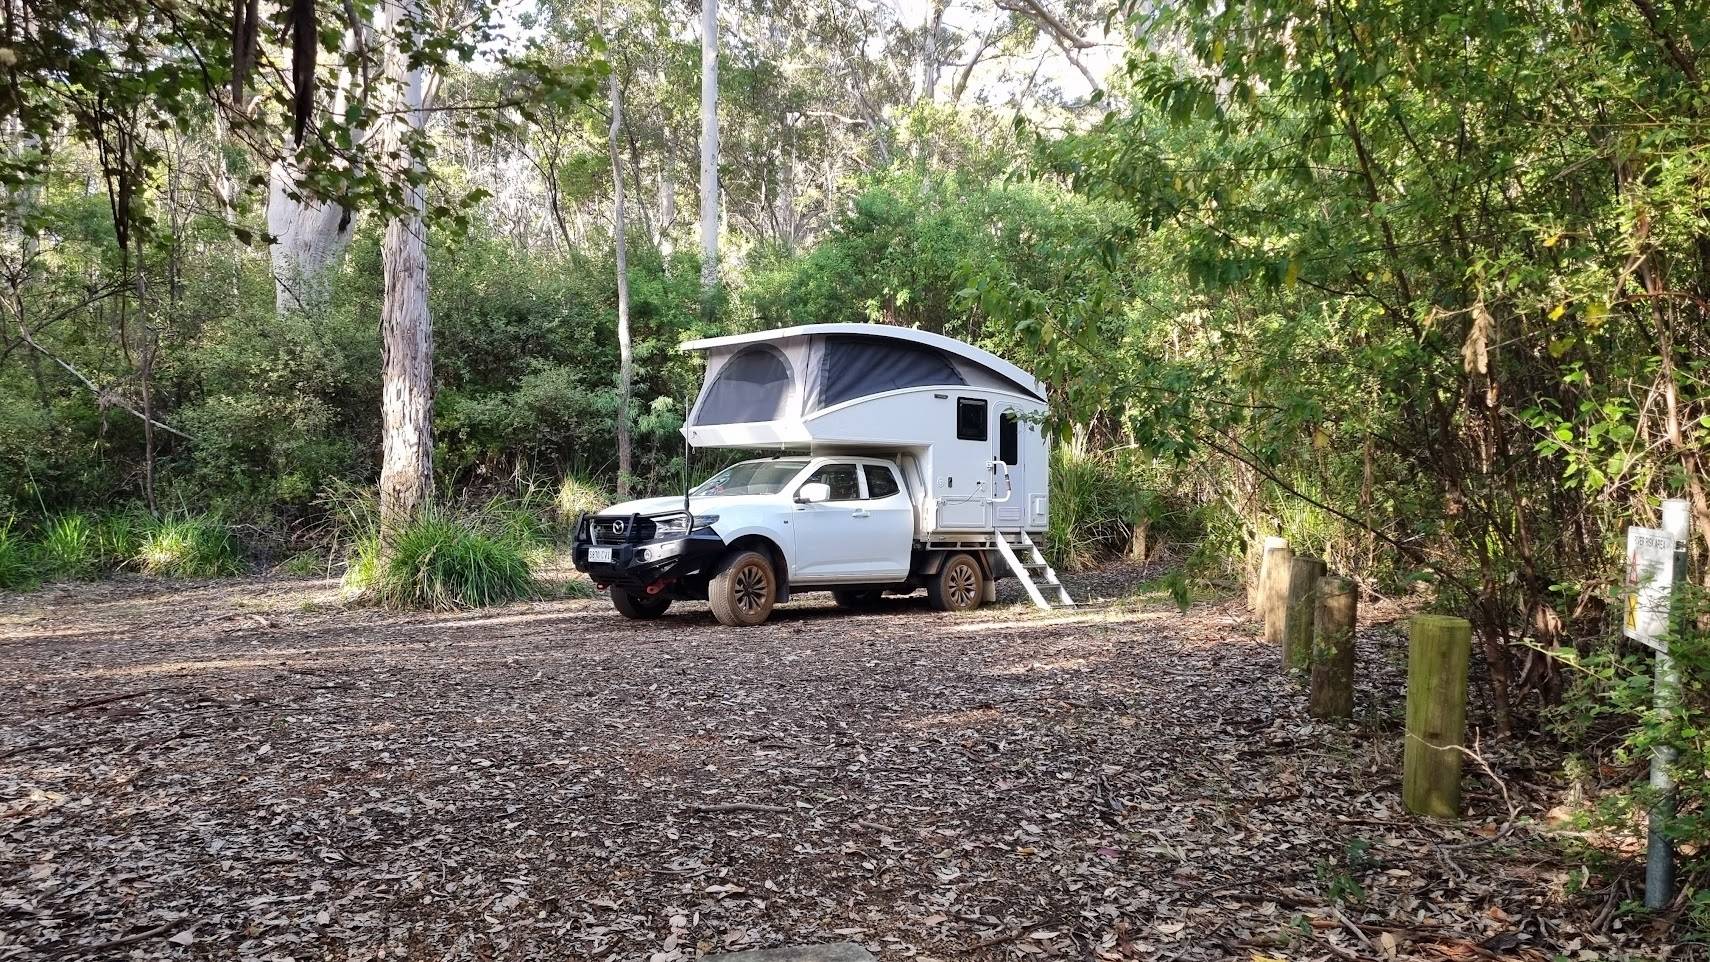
pixel 754 385
pixel 852 366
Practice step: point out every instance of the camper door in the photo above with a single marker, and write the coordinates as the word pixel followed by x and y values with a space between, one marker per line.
pixel 961 467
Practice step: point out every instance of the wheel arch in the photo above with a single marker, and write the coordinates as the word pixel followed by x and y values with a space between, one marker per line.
pixel 763 542
pixel 931 562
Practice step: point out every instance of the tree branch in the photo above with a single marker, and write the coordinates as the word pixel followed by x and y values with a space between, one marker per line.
pixel 105 396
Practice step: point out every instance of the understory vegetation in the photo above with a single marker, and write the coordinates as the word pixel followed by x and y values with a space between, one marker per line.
pixel 1420 286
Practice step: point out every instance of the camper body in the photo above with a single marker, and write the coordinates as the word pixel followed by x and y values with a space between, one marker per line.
pixel 896 459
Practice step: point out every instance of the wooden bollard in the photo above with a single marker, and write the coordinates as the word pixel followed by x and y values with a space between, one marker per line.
pixel 1437 653
pixel 1299 610
pixel 1273 588
pixel 1333 649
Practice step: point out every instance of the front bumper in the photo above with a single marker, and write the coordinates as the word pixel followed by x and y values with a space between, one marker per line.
pixel 651 566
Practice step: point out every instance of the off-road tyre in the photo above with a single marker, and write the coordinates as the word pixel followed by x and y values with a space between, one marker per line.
pixel 638 608
pixel 744 590
pixel 959 584
pixel 857 599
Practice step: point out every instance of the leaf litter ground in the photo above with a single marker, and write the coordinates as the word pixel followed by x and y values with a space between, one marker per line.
pixel 243 769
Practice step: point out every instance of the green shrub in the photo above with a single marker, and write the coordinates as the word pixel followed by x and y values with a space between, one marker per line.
pixel 189 546
pixel 16 571
pixel 578 496
pixel 439 562
pixel 1095 503
pixel 1611 711
pixel 69 547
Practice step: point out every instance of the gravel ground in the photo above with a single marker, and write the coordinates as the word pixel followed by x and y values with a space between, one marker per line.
pixel 245 769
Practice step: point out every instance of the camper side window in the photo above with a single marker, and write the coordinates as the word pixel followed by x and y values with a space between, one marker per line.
pixel 971 418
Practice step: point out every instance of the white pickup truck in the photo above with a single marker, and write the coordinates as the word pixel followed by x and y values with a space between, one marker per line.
pixel 760 530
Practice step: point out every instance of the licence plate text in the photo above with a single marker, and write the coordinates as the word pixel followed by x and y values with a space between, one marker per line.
pixel 596 555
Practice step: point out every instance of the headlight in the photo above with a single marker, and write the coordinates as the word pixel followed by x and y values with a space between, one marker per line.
pixel 677 525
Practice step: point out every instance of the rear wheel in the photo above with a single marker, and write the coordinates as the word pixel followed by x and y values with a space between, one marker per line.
pixel 744 590
pixel 958 586
pixel 856 599
pixel 638 607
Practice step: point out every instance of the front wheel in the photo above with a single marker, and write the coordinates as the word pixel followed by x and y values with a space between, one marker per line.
pixel 638 607
pixel 744 590
pixel 958 586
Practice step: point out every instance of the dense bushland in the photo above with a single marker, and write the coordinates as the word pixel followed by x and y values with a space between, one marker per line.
pixel 1418 285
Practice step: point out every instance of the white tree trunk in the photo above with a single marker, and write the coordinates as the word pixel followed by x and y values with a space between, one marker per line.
pixel 309 238
pixel 709 157
pixel 406 331
pixel 667 197
pixel 625 354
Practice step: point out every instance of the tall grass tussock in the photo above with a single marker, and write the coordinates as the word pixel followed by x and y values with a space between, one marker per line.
pixel 188 546
pixel 16 571
pixel 440 562
pixel 1095 504
pixel 577 496
pixel 68 548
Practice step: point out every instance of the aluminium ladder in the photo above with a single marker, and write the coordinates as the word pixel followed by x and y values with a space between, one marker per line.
pixel 1035 564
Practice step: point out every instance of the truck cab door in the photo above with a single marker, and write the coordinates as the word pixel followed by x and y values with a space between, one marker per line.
pixel 832 536
pixel 891 514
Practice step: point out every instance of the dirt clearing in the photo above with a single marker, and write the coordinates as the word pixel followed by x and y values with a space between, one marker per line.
pixel 243 769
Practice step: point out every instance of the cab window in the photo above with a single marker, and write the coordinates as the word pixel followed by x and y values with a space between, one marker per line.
pixel 840 478
pixel 881 483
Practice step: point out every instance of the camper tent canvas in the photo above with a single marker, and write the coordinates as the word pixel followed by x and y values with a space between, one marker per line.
pixel 962 422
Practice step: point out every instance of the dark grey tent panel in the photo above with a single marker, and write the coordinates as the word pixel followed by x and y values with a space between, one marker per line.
pixel 752 386
pixel 852 366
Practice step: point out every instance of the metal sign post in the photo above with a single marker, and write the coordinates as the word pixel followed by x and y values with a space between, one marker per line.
pixel 1656 559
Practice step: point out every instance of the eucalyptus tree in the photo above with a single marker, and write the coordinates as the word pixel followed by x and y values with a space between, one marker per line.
pixel 115 76
pixel 709 158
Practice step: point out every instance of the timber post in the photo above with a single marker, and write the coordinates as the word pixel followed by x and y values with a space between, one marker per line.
pixel 1333 649
pixel 1437 652
pixel 1273 588
pixel 1301 606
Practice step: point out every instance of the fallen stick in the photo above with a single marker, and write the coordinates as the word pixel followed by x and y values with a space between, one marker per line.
pixel 1353 929
pixel 738 807
pixel 49 746
pixel 118 943
pixel 98 702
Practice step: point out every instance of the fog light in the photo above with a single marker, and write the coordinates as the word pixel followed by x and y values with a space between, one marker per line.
pixel 661 551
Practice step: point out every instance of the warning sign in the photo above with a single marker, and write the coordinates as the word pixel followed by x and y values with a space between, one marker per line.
pixel 1650 575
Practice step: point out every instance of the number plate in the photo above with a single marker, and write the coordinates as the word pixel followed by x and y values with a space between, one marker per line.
pixel 598 555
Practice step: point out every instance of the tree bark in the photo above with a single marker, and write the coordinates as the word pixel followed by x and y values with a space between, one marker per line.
pixel 625 353
pixel 406 330
pixel 309 236
pixel 709 159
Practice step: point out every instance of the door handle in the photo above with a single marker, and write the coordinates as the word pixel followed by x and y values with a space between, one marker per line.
pixel 861 513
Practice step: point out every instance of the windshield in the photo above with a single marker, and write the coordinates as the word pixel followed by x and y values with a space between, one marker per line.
pixel 751 477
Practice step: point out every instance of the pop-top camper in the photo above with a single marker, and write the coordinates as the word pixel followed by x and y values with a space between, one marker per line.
pixel 895 460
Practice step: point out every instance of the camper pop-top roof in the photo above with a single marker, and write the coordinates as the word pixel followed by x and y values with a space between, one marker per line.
pixel 786 388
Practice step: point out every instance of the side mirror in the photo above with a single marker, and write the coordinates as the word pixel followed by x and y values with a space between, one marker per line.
pixel 813 492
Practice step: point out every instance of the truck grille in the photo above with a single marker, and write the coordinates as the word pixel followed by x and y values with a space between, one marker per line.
pixel 633 528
